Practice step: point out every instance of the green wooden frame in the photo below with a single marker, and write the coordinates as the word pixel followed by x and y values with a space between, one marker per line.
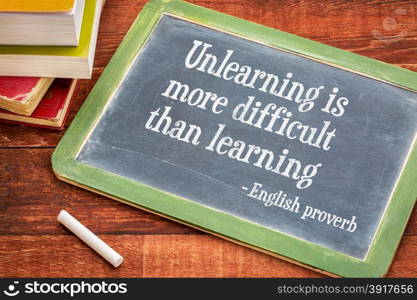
pixel 67 168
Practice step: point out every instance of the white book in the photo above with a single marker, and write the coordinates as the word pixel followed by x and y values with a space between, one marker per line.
pixel 25 25
pixel 56 61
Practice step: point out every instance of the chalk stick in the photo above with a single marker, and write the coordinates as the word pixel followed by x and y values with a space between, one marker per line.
pixel 90 238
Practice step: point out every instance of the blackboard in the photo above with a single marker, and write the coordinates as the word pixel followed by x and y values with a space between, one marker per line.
pixel 356 175
pixel 298 149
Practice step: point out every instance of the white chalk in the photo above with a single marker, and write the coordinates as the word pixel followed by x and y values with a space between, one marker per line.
pixel 90 238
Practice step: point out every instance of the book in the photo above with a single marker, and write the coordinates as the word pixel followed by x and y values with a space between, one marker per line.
pixel 46 23
pixel 56 61
pixel 279 143
pixel 36 5
pixel 22 95
pixel 51 111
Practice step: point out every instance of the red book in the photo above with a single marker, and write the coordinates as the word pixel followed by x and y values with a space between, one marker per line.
pixel 22 95
pixel 52 109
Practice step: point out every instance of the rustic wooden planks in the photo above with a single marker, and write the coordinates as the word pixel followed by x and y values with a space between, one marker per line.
pixel 159 256
pixel 31 197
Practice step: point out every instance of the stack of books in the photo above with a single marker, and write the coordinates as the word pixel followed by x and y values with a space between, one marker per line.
pixel 45 46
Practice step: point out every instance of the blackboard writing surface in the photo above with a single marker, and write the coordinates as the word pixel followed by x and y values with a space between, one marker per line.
pixel 356 177
pixel 300 150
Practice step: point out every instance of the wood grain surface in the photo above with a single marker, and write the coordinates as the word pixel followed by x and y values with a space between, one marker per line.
pixel 33 244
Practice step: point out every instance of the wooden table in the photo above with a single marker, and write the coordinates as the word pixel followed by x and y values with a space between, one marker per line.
pixel 33 244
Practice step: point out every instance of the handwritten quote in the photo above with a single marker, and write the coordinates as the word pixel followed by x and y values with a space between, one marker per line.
pixel 274 117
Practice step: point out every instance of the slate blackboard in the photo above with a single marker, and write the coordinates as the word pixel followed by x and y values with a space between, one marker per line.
pixel 357 174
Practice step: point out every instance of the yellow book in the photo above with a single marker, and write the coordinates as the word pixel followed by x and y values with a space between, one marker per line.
pixel 41 22
pixel 36 5
pixel 52 61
